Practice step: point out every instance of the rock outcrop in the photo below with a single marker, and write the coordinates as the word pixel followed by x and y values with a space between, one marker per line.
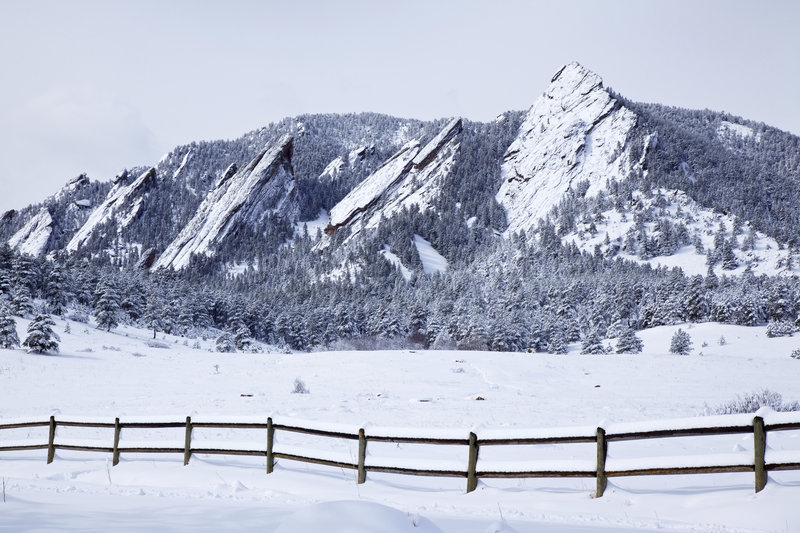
pixel 32 238
pixel 263 188
pixel 411 176
pixel 575 131
pixel 122 203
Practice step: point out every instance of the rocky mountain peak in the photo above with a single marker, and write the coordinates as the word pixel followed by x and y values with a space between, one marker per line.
pixel 576 131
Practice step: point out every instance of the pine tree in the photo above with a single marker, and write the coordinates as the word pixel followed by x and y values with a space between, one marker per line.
pixel 242 341
pixel 728 258
pixel 106 310
pixel 591 344
pixel 153 314
pixel 56 290
pixel 681 343
pixel 8 328
pixel 225 343
pixel 557 343
pixel 21 304
pixel 41 337
pixel 629 343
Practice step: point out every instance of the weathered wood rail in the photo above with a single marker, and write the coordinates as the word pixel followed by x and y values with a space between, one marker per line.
pixel 601 438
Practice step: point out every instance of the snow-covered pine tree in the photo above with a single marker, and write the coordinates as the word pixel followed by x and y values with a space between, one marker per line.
pixel 628 342
pixel 107 308
pixel 21 303
pixel 591 344
pixel 728 258
pixel 242 340
pixel 153 315
pixel 681 343
pixel 56 291
pixel 225 343
pixel 557 343
pixel 8 328
pixel 41 337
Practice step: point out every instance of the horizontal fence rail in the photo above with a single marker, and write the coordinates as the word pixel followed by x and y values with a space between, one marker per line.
pixel 598 467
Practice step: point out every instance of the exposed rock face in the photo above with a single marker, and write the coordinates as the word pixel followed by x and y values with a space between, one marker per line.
pixel 248 197
pixel 123 203
pixel 77 182
pixel 32 238
pixel 411 176
pixel 574 132
pixel 147 259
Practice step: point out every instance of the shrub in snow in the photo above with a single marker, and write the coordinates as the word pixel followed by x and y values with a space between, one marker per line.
pixel 79 314
pixel 752 402
pixel 628 342
pixel 722 341
pixel 795 354
pixel 41 337
pixel 299 387
pixel 782 328
pixel 681 343
pixel 225 343
pixel 592 345
pixel 8 328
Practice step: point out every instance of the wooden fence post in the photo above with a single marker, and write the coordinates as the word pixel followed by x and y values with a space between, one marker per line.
pixel 51 441
pixel 760 450
pixel 187 448
pixel 270 442
pixel 115 459
pixel 362 456
pixel 602 451
pixel 472 465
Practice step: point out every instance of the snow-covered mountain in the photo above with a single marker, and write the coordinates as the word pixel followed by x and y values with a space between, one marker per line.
pixel 576 131
pixel 453 183
pixel 245 198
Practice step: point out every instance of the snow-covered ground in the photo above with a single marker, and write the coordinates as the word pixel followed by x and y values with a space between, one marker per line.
pixel 125 374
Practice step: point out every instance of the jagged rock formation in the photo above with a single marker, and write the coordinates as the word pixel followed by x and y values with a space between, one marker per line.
pixel 32 238
pixel 411 176
pixel 122 203
pixel 574 132
pixel 263 188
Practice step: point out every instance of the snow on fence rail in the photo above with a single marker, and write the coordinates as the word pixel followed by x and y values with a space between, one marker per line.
pixel 600 467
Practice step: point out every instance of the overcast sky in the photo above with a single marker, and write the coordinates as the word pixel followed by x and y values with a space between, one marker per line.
pixel 98 86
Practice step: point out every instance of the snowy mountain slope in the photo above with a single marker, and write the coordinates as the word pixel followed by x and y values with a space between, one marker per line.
pixel 574 132
pixel 412 176
pixel 264 187
pixel 762 255
pixel 33 237
pixel 122 203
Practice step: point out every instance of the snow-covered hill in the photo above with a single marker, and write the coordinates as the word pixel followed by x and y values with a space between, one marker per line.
pixel 616 233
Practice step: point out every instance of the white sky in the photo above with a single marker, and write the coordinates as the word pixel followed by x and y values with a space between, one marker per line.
pixel 98 86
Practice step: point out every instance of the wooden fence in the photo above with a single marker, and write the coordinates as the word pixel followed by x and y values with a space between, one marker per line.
pixel 730 425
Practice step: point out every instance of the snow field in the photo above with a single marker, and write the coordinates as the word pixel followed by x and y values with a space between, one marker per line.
pixel 103 375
